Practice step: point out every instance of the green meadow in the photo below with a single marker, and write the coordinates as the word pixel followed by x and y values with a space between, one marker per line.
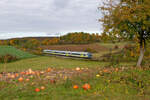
pixel 16 52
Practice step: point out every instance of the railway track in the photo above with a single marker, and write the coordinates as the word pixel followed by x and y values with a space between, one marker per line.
pixel 66 56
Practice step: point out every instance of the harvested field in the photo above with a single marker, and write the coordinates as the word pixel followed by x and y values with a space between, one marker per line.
pixel 84 47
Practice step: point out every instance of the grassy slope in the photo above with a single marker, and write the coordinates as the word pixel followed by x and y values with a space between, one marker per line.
pixel 45 62
pixel 109 46
pixel 13 51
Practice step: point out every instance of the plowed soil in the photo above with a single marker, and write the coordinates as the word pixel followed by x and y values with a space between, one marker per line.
pixel 96 47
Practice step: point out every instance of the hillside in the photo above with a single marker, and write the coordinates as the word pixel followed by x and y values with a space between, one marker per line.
pixel 14 51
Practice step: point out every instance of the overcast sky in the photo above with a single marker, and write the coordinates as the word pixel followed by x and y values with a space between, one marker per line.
pixel 19 18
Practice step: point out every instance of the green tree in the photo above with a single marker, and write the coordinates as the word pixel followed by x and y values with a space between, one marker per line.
pixel 128 18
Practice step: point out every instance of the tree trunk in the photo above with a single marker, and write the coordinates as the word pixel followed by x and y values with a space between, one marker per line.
pixel 142 50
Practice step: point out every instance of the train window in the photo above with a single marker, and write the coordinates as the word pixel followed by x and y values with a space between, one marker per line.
pixel 76 54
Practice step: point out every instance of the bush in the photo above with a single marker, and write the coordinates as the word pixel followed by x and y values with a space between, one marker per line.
pixel 116 47
pixel 7 58
pixel 128 47
pixel 90 50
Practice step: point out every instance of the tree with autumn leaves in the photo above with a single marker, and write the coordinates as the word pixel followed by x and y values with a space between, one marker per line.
pixel 80 38
pixel 52 41
pixel 128 18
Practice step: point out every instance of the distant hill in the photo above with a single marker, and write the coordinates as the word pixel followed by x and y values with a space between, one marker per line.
pixel 70 38
pixel 38 38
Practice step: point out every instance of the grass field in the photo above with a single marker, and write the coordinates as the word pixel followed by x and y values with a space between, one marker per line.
pixel 40 63
pixel 109 46
pixel 16 52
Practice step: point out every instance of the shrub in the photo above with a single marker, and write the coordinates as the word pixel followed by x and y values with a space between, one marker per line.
pixel 7 58
pixel 128 46
pixel 90 50
pixel 116 47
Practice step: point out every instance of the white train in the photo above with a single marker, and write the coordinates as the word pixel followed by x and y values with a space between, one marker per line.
pixel 69 53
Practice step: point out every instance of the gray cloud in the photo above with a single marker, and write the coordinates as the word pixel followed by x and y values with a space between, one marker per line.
pixel 48 16
pixel 61 3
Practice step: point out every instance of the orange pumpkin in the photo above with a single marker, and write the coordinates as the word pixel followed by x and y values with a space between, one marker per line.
pixel 30 71
pixel 16 74
pixel 75 87
pixel 27 73
pixel 22 73
pixel 9 75
pixel 42 87
pixel 37 90
pixel 37 73
pixel 0 75
pixel 106 71
pixel 86 86
pixel 77 69
pixel 116 69
pixel 12 76
pixel 52 81
pixel 49 69
pixel 27 79
pixel 20 79
pixel 33 73
pixel 42 72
